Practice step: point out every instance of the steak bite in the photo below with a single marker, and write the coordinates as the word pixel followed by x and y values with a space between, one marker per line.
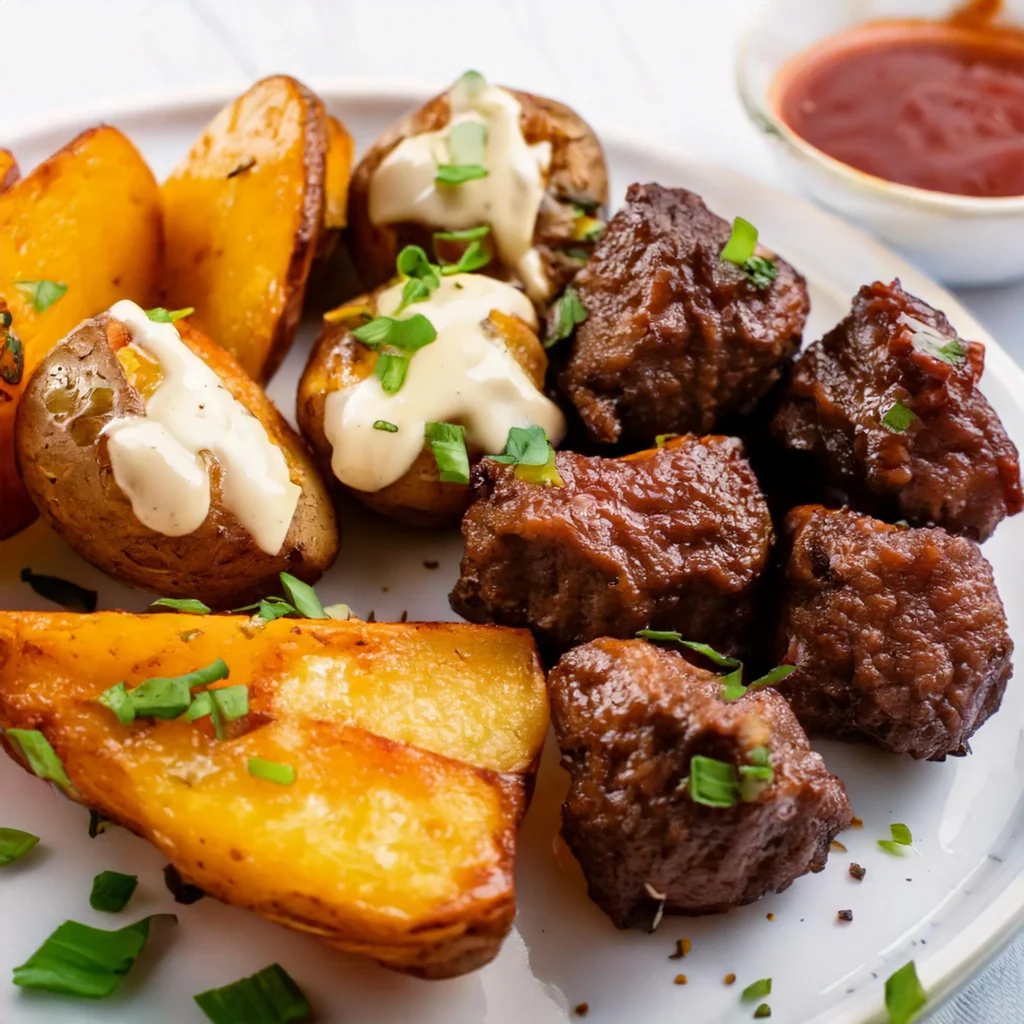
pixel 899 633
pixel 651 818
pixel 671 538
pixel 888 405
pixel 675 337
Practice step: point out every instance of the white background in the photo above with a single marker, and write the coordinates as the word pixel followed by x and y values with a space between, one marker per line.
pixel 662 68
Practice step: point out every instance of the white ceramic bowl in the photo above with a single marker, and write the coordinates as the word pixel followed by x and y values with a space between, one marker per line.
pixel 962 240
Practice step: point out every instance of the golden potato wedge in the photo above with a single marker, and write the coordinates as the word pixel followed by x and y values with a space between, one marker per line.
pixel 577 180
pixel 339 360
pixel 89 218
pixel 410 745
pixel 244 211
pixel 87 381
pixel 341 151
pixel 9 172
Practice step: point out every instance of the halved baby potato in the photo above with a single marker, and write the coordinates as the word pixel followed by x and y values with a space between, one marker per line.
pixel 79 232
pixel 93 378
pixel 411 747
pixel 245 212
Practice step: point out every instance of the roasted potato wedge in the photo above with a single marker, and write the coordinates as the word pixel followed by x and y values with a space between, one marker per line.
pixel 339 361
pixel 94 377
pixel 575 197
pixel 88 218
pixel 411 746
pixel 341 151
pixel 244 212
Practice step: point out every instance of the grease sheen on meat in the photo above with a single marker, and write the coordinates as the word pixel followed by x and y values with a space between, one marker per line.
pixel 673 538
pixel 629 717
pixel 675 337
pixel 953 466
pixel 899 633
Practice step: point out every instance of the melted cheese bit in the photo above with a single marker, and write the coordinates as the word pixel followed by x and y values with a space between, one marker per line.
pixel 465 376
pixel 159 459
pixel 509 198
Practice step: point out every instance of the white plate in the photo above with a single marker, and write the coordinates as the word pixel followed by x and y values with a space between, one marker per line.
pixel 949 905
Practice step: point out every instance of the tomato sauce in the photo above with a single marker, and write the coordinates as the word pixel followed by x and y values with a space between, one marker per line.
pixel 937 105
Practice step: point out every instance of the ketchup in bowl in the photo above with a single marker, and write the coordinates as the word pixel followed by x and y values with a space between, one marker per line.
pixel 936 105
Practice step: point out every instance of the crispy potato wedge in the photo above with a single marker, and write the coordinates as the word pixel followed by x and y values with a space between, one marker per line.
pixel 88 217
pixel 244 211
pixel 78 389
pixel 339 360
pixel 341 151
pixel 410 745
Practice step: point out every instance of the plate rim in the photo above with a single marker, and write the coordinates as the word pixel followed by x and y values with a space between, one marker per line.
pixel 998 923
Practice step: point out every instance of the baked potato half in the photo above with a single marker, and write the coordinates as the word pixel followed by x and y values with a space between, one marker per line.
pixel 340 363
pixel 564 205
pixel 409 748
pixel 89 484
pixel 245 212
pixel 79 232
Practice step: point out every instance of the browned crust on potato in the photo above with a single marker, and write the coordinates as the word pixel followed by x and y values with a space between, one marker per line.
pixel 66 468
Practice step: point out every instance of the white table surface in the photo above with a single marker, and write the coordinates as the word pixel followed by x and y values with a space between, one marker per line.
pixel 662 68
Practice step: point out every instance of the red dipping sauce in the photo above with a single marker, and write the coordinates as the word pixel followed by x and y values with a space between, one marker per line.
pixel 936 105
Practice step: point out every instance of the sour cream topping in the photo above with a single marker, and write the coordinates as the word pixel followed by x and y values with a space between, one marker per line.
pixel 465 376
pixel 508 199
pixel 161 460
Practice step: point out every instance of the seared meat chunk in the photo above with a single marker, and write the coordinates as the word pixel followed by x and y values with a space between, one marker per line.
pixel 899 633
pixel 675 338
pixel 888 405
pixel 672 538
pixel 631 719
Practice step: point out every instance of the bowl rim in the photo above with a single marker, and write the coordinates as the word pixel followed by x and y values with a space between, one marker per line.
pixel 765 119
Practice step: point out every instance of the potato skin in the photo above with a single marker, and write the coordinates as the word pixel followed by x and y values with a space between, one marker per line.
pixel 65 465
pixel 578 171
pixel 419 498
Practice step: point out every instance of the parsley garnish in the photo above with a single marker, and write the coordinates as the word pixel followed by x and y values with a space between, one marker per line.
pixel 448 443
pixel 898 418
pixel 421 276
pixel 390 371
pixel 569 313
pixel 473 258
pixel 904 995
pixel 740 249
pixel 900 841
pixel 42 293
pixel 185 605
pixel 410 334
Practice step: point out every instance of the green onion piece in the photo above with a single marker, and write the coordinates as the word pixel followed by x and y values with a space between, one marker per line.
pixel 662 438
pixel 410 334
pixel 762 272
pixel 467 142
pixel 742 242
pixel 413 262
pixel 14 844
pixel 384 425
pixel 757 990
pixel 456 174
pixel 448 443
pixel 111 891
pixel 232 701
pixel 391 371
pixel 168 316
pixel 268 997
pixel 764 1010
pixel 77 960
pixel 473 258
pixel 732 686
pixel 63 592
pixel 159 698
pixel 117 699
pixel 569 313
pixel 952 352
pixel 42 293
pixel 898 418
pixel 415 290
pixel 722 660
pixel 904 995
pixel 759 756
pixel 272 771
pixel 771 678
pixel 465 235
pixel 525 446
pixel 754 779
pixel 185 605
pixel 98 824
pixel 896 849
pixel 303 596
pixel 901 834
pixel 41 757
pixel 713 783
pixel 270 608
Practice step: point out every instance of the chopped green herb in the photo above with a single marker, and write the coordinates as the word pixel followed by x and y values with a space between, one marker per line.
pixel 901 834
pixel 183 892
pixel 894 848
pixel 754 779
pixel 303 597
pixel 448 443
pixel 391 371
pixel 952 352
pixel 661 439
pixel 169 316
pixel 546 475
pixel 42 293
pixel 569 313
pixel 60 591
pixel 98 824
pixel 272 771
pixel 185 605
pixel 456 174
pixel 161 698
pixel 77 960
pixel 466 235
pixel 898 418
pixel 384 425
pixel 712 782
pixel 35 748
pixel 762 272
pixel 742 242
pixel 668 635
pixel 764 1010
pixel 268 997
pixel 771 678
pixel 111 891
pixel 14 844
pixel 757 990
pixel 904 995
pixel 473 258
pixel 224 704
pixel 467 147
pixel 530 451
pixel 415 290
pixel 117 699
pixel 12 352
pixel 413 261
pixel 410 334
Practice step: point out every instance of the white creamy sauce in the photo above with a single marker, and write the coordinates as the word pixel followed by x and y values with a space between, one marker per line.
pixel 159 460
pixel 508 199
pixel 465 376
